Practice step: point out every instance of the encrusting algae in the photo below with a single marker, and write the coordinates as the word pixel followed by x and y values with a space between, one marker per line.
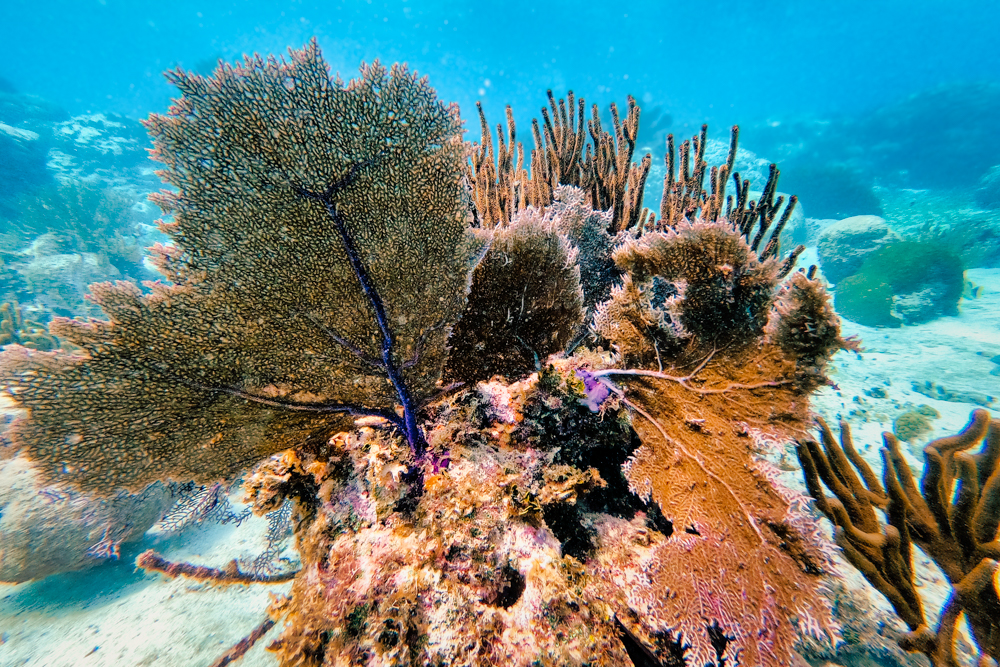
pixel 519 416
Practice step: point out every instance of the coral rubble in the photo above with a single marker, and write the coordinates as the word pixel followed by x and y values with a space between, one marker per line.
pixel 519 418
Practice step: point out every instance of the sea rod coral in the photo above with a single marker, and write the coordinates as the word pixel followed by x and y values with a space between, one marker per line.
pixel 952 516
pixel 587 490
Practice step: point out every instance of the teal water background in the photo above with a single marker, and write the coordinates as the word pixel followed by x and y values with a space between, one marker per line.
pixel 719 61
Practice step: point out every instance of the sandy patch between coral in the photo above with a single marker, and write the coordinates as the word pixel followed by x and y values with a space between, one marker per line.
pixel 112 615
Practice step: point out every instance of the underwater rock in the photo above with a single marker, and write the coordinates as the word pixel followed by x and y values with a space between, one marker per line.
pixel 987 194
pixel 902 283
pixel 22 163
pixel 844 246
pixel 31 111
pixel 45 530
pixel 814 227
pixel 941 137
pixel 61 280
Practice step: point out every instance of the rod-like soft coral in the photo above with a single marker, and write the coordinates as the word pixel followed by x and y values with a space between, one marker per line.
pixel 952 516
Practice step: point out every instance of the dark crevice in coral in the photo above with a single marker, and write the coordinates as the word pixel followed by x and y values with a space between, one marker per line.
pixel 587 440
pixel 662 290
pixel 616 498
pixel 565 522
pixel 642 656
pixel 656 520
pixel 793 543
pixel 511 588
pixel 390 635
pixel 719 641
pixel 637 652
pixel 414 478
pixel 357 620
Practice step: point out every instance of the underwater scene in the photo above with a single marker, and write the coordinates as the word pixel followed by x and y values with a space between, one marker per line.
pixel 415 333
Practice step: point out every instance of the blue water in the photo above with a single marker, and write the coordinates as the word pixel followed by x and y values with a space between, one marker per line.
pixel 720 62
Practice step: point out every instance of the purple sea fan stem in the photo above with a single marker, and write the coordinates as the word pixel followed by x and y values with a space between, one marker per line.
pixel 409 423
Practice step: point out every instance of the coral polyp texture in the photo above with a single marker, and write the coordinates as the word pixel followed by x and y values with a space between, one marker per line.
pixel 520 419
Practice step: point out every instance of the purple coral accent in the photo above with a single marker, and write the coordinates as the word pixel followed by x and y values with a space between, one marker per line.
pixel 595 390
pixel 441 462
pixel 106 548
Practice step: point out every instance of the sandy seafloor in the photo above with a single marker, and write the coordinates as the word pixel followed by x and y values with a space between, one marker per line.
pixel 113 615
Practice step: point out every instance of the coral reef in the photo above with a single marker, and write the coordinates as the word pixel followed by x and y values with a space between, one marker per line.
pixel 469 483
pixel 952 516
pixel 914 424
pixel 26 333
pixel 867 639
pixel 45 530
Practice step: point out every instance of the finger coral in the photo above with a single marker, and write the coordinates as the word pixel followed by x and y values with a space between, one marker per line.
pixel 952 516
pixel 602 168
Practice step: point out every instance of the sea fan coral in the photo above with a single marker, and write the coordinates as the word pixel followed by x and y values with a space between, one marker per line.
pixel 315 269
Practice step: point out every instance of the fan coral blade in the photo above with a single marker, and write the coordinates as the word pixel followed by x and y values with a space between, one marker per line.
pixel 319 257
pixel 741 555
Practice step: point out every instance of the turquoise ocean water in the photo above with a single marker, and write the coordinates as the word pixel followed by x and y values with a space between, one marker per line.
pixel 881 115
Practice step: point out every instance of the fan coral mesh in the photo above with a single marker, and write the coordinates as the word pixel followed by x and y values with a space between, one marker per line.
pixel 319 256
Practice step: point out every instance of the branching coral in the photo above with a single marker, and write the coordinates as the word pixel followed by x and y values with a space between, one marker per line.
pixel 952 516
pixel 603 169
pixel 83 218
pixel 27 333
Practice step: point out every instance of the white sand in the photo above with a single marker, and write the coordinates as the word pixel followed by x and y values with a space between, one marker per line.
pixel 112 615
